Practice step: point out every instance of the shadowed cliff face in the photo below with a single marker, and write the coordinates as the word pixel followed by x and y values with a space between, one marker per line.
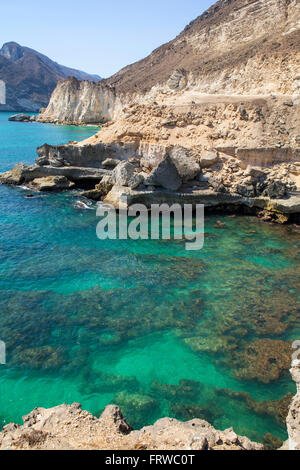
pixel 31 77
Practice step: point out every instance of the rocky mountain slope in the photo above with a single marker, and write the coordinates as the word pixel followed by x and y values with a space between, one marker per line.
pixel 31 77
pixel 237 46
pixel 202 87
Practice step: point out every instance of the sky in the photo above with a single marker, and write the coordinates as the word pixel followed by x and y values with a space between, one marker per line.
pixel 96 36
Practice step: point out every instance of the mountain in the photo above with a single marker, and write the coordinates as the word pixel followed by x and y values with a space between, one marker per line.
pixel 237 48
pixel 31 77
pixel 225 39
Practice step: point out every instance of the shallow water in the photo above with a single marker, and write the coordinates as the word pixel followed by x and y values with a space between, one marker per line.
pixel 143 324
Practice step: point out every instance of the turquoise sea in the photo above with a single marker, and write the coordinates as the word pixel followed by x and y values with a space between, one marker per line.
pixel 146 325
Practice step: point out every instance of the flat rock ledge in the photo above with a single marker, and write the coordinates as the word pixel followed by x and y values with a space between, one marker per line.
pixel 68 427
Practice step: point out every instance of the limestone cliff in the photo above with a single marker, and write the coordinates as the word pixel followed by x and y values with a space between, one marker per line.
pixel 236 48
pixel 81 102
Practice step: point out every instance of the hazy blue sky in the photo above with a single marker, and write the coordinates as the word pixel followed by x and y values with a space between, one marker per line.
pixel 96 36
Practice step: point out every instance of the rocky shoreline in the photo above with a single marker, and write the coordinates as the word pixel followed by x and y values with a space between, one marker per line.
pixel 71 428
pixel 156 174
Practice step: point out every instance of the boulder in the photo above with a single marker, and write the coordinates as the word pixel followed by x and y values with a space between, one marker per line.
pixel 52 183
pixel 21 118
pixel 208 159
pixel 165 175
pixel 125 175
pixel 178 79
pixel 186 163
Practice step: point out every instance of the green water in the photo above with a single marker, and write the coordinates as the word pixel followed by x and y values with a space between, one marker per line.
pixel 143 324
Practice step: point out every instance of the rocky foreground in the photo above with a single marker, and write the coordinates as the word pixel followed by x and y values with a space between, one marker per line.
pixel 71 428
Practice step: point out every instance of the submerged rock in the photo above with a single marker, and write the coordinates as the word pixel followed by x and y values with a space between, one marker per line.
pixel 185 411
pixel 264 360
pixel 135 406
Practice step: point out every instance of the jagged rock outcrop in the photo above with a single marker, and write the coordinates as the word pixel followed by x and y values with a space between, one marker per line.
pixel 23 174
pixel 31 77
pixel 71 428
pixel 293 419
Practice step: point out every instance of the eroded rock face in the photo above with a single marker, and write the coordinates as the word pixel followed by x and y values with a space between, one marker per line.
pixel 293 419
pixel 91 156
pixel 86 102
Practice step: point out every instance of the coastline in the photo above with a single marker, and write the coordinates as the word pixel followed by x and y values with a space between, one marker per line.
pixel 69 428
